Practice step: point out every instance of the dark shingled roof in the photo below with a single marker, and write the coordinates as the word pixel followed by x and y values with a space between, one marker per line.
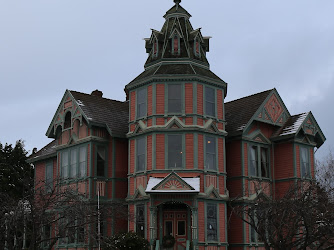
pixel 113 114
pixel 240 111
pixel 48 150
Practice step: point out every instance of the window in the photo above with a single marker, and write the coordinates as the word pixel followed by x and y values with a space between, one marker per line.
pixel 141 103
pixel 141 150
pixel 74 162
pixel 258 161
pixel 304 163
pixel 49 176
pixel 210 157
pixel 100 161
pixel 82 161
pixel 67 122
pixel 210 109
pixel 197 48
pixel 175 151
pixel 64 161
pixel 155 48
pixel 211 224
pixel 176 45
pixel 174 98
pixel 140 220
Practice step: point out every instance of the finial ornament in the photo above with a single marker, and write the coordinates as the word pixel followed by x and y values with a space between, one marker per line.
pixel 177 2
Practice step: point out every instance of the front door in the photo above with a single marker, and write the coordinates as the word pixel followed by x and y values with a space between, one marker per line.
pixel 175 223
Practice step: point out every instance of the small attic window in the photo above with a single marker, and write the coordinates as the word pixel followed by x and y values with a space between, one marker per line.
pixel 197 48
pixel 176 45
pixel 67 122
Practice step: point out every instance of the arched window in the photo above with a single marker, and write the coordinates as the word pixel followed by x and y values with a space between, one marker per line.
pixel 197 48
pixel 176 45
pixel 67 122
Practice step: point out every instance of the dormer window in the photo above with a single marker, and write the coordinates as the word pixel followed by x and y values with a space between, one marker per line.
pixel 197 48
pixel 176 45
pixel 67 122
pixel 155 48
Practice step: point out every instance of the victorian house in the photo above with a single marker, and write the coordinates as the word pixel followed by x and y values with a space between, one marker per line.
pixel 175 151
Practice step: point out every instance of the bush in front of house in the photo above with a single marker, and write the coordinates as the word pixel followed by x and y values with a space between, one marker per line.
pixel 123 241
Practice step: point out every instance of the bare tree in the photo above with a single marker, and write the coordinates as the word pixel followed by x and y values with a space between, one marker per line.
pixel 61 214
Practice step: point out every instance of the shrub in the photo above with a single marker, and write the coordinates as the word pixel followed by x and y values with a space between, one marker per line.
pixel 123 241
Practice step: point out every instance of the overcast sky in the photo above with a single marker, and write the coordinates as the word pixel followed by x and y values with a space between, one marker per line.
pixel 47 47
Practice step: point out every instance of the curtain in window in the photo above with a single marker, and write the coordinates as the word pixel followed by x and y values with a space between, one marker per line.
pixel 304 162
pixel 141 150
pixel 82 161
pixel 253 161
pixel 101 154
pixel 64 163
pixel 264 163
pixel 73 168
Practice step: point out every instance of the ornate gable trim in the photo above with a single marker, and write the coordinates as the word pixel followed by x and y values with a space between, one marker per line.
pixel 212 192
pixel 258 136
pixel 141 127
pixel 174 122
pixel 173 182
pixel 211 126
pixel 67 104
pixel 140 193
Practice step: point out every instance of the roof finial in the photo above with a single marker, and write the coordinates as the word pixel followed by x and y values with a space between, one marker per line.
pixel 177 2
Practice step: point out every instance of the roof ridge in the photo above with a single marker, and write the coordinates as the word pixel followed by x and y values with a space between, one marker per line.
pixel 108 99
pixel 269 90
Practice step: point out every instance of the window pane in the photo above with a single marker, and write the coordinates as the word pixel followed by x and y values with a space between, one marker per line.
pixel 141 103
pixel 210 148
pixel 210 109
pixel 305 164
pixel 264 163
pixel 174 98
pixel 49 176
pixel 82 158
pixel 73 168
pixel 211 222
pixel 64 162
pixel 141 152
pixel 210 101
pixel 175 151
pixel 168 228
pixel 140 220
pixel 100 161
pixel 253 161
pixel 181 228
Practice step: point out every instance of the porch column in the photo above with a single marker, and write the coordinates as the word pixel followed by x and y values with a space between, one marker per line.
pixel 153 224
pixel 194 227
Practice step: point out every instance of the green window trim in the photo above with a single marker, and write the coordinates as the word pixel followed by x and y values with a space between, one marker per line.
pixel 140 151
pixel 141 103
pixel 74 162
pixel 258 161
pixel 210 100
pixel 210 156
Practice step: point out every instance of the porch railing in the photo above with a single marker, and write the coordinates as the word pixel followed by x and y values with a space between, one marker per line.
pixel 157 245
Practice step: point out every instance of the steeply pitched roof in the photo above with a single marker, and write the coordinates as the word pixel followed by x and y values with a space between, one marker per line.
pixel 106 112
pixel 240 111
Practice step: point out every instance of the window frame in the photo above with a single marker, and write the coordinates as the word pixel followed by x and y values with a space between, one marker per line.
pixel 139 103
pixel 105 160
pixel 174 52
pixel 49 181
pixel 143 222
pixel 212 102
pixel 68 152
pixel 167 150
pixel 169 98
pixel 214 139
pixel 305 173
pixel 216 216
pixel 155 48
pixel 258 160
pixel 142 139
pixel 197 42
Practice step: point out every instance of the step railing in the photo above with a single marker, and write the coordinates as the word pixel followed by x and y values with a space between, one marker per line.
pixel 157 245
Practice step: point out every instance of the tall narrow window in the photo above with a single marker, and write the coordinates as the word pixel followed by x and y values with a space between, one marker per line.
pixel 64 161
pixel 155 48
pixel 264 163
pixel 176 45
pixel 175 151
pixel 141 103
pixel 253 161
pixel 304 162
pixel 211 225
pixel 49 176
pixel 73 168
pixel 140 220
pixel 210 109
pixel 67 122
pixel 141 150
pixel 82 161
pixel 101 157
pixel 197 48
pixel 174 98
pixel 210 147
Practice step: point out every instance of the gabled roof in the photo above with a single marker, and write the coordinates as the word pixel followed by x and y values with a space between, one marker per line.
pixel 240 111
pixel 96 110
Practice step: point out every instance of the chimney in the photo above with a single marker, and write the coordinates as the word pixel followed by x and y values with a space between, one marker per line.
pixel 97 93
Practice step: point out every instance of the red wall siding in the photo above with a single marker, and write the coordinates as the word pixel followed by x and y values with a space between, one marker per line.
pixel 200 152
pixel 149 100
pixel 200 99
pixel 160 151
pixel 245 159
pixel 132 156
pixel 233 158
pixel 235 231
pixel 312 162
pixel 160 98
pixel 220 104
pixel 222 222
pixel 121 158
pixel 298 160
pixel 201 222
pixel 110 158
pixel 133 105
pixel 149 152
pixel 283 161
pixel 221 155
pixel 189 98
pixel 189 151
